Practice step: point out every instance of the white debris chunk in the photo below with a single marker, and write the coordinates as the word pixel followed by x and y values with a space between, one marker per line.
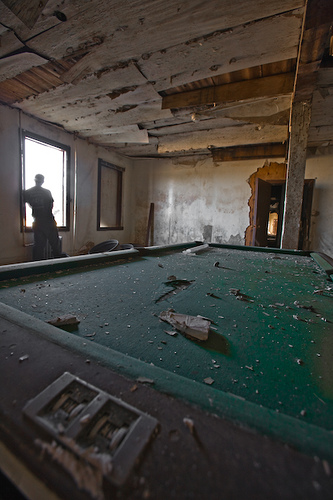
pixel 172 333
pixel 145 380
pixel 192 326
pixel 195 250
pixel 189 423
pixel 209 381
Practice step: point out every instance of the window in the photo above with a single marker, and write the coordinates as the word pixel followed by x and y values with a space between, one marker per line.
pixel 50 159
pixel 109 196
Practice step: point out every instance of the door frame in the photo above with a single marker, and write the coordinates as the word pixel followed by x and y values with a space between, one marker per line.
pixel 305 213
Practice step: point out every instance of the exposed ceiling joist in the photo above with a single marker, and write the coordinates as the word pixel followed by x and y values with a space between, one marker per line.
pixel 224 71
pixel 258 88
pixel 250 152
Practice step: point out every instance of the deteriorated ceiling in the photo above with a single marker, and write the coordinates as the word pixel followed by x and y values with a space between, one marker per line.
pixel 150 78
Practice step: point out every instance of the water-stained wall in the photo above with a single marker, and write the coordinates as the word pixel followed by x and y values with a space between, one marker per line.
pixel 193 200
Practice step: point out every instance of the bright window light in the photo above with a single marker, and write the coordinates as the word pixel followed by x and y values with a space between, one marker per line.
pixel 51 161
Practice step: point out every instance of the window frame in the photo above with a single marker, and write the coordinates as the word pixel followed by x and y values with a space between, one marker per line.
pixel 52 143
pixel 118 204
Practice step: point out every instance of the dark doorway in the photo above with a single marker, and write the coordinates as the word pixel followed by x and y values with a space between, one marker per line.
pixel 268 213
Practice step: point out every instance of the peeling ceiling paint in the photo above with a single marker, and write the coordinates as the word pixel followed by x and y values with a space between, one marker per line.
pixel 102 68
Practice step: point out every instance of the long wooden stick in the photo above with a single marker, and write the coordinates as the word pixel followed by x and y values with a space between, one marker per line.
pixel 150 224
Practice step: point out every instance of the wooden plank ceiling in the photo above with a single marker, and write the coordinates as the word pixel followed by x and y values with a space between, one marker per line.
pixel 176 78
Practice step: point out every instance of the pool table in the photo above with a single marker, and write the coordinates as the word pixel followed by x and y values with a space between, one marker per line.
pixel 267 362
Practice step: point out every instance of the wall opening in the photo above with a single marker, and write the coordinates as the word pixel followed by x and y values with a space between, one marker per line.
pixel 266 204
pixel 50 159
pixel 109 196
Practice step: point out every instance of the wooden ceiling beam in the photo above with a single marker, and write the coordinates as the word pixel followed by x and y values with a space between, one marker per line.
pixel 257 88
pixel 250 152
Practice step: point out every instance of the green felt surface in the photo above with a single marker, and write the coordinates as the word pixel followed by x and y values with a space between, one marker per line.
pixel 273 348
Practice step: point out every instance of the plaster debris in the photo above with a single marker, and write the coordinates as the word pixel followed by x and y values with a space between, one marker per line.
pixel 327 468
pixel 239 295
pixel 189 424
pixel 212 295
pixel 323 290
pixel 303 306
pixel 195 250
pixel 144 380
pixel 24 358
pixel 67 319
pixel 194 327
pixel 209 381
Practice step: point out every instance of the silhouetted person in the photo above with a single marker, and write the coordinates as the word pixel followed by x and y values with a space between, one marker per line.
pixel 44 225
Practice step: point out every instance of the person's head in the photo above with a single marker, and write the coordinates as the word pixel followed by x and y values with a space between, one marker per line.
pixel 39 179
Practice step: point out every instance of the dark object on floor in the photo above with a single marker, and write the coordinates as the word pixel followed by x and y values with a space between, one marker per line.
pixel 105 246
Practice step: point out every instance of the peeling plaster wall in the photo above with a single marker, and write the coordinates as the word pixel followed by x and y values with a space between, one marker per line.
pixel 269 172
pixel 12 240
pixel 194 200
pixel 206 201
pixel 321 229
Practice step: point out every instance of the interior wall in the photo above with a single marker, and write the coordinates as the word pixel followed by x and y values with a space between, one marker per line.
pixel 207 201
pixel 193 200
pixel 320 168
pixel 16 246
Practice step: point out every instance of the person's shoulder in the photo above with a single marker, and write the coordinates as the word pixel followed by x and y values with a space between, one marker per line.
pixel 29 192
